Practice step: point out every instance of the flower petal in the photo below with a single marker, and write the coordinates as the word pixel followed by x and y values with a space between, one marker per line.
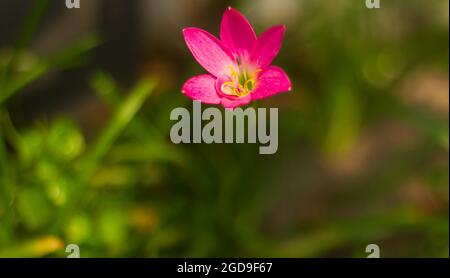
pixel 235 102
pixel 237 33
pixel 208 51
pixel 272 81
pixel 202 88
pixel 267 46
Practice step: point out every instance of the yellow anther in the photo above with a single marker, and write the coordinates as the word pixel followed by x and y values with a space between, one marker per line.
pixel 240 82
pixel 228 83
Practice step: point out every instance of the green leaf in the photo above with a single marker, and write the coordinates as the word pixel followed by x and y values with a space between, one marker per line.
pixel 34 208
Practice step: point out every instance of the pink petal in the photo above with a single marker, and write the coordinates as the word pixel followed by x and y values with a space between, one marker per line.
pixel 201 88
pixel 208 51
pixel 272 81
pixel 235 102
pixel 267 46
pixel 237 33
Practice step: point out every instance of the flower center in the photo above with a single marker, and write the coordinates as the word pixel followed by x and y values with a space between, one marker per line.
pixel 241 82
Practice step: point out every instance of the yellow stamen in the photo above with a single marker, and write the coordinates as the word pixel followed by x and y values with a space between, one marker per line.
pixel 241 82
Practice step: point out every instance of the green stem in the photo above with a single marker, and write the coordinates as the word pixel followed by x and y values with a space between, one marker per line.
pixel 7 221
pixel 18 82
pixel 89 164
pixel 28 29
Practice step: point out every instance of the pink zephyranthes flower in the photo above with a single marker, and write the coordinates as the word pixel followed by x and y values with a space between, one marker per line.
pixel 239 64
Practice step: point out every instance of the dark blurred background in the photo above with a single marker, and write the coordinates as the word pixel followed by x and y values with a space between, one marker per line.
pixel 86 158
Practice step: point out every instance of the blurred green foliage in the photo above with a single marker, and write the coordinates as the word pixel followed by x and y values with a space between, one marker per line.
pixel 360 161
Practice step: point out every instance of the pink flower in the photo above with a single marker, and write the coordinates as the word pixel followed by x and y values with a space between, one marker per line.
pixel 239 64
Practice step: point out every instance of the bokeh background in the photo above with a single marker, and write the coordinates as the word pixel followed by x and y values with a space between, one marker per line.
pixel 86 158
